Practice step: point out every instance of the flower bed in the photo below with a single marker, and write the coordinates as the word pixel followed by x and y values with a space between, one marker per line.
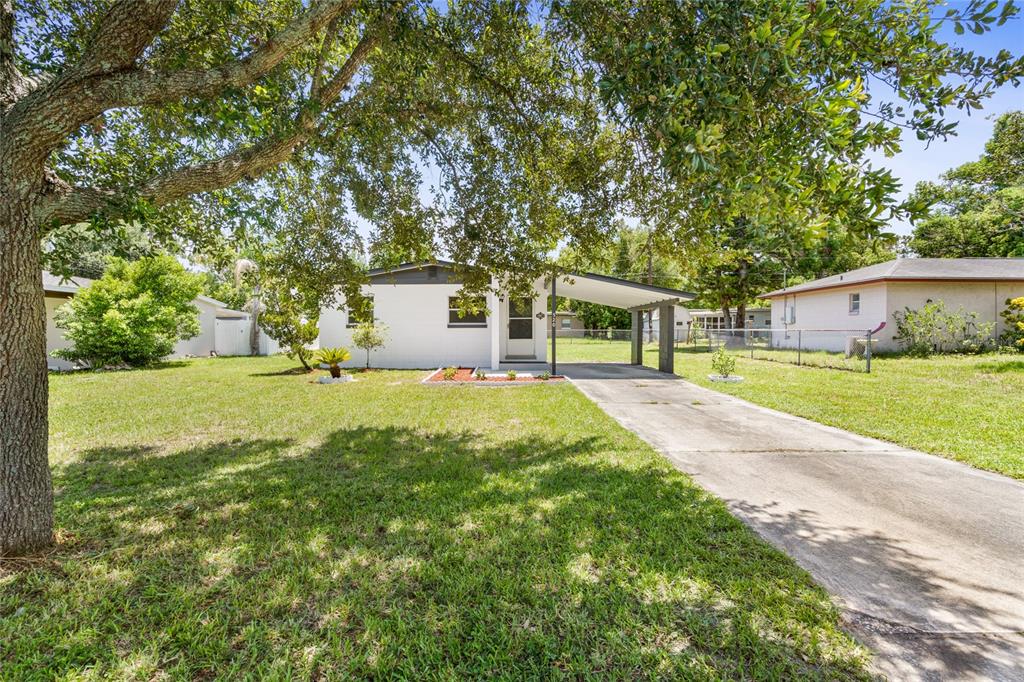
pixel 466 375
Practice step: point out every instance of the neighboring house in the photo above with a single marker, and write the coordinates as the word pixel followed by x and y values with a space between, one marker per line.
pixel 212 314
pixel 681 322
pixel 417 304
pixel 866 298
pixel 757 318
pixel 568 325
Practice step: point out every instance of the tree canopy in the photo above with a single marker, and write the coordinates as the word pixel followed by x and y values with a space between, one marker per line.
pixel 977 209
pixel 491 131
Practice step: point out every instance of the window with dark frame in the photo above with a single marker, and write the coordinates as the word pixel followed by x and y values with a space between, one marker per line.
pixel 354 319
pixel 854 304
pixel 468 318
pixel 566 323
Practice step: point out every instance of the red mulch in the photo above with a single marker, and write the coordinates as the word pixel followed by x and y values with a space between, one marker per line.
pixel 465 375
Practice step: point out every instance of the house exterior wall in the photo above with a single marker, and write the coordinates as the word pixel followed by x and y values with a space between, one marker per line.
pixel 879 301
pixel 988 299
pixel 204 342
pixel 418 336
pixel 829 310
pixel 54 336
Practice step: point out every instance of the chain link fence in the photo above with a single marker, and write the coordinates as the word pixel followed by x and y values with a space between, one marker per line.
pixel 848 349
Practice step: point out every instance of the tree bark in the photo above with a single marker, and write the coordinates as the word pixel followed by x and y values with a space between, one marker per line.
pixel 26 493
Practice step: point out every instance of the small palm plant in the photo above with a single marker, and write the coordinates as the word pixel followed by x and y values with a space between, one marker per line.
pixel 333 357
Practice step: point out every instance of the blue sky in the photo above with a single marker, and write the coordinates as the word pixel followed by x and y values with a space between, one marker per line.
pixel 917 161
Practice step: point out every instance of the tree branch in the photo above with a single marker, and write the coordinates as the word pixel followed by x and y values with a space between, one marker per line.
pixel 76 205
pixel 153 88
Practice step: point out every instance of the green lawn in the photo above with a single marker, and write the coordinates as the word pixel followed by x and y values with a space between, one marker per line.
pixel 225 518
pixel 968 408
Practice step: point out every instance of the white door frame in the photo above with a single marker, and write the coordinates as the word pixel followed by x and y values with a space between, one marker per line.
pixel 520 343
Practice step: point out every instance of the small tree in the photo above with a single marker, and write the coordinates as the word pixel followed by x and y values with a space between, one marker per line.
pixel 1014 316
pixel 369 337
pixel 132 315
pixel 290 319
pixel 934 329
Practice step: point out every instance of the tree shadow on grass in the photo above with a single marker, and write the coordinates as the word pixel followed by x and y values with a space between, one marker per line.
pixel 1001 367
pixel 291 371
pixel 389 552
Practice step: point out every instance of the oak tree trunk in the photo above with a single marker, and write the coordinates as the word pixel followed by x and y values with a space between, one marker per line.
pixel 26 494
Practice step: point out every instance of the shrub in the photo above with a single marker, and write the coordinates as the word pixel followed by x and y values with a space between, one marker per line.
pixel 369 337
pixel 511 374
pixel 290 319
pixel 449 373
pixel 1013 336
pixel 132 315
pixel 333 357
pixel 934 329
pixel 545 375
pixel 722 362
pixel 480 374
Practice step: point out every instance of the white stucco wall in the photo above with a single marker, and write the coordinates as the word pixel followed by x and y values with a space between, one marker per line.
pixel 419 337
pixel 54 336
pixel 206 341
pixel 829 309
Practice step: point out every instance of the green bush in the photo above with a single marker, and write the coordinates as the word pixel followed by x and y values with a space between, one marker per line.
pixel 722 362
pixel 544 376
pixel 134 314
pixel 934 329
pixel 369 336
pixel 480 374
pixel 333 357
pixel 448 373
pixel 511 375
pixel 1013 336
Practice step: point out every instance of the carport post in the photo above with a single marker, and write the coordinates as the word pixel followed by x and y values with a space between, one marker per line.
pixel 636 341
pixel 666 329
pixel 554 356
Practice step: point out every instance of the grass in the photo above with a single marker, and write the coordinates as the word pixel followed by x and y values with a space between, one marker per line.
pixel 229 519
pixel 968 408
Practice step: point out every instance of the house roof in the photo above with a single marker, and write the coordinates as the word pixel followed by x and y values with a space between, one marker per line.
pixel 585 286
pixel 917 269
pixel 54 284
pixel 616 292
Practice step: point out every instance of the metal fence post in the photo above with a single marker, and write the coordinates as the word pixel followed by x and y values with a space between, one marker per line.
pixel 750 343
pixel 799 346
pixel 867 353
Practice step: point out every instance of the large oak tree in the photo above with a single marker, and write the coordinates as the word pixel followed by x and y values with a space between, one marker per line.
pixel 533 123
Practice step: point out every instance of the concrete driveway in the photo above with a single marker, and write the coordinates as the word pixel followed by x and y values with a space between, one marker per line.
pixel 924 555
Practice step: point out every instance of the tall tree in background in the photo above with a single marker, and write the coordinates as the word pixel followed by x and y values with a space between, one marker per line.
pixel 977 210
pixel 542 120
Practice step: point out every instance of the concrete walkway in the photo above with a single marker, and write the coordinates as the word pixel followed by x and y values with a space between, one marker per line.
pixel 924 555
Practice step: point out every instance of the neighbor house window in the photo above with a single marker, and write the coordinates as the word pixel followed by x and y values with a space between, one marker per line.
pixel 566 323
pixel 355 318
pixel 854 304
pixel 467 318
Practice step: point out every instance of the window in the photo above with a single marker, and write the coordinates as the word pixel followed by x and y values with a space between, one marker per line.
pixel 520 318
pixel 354 318
pixel 854 304
pixel 468 318
pixel 566 323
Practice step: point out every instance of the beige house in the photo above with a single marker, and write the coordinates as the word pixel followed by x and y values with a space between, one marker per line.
pixel 867 298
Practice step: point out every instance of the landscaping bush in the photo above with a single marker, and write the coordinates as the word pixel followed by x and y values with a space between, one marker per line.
pixel 511 375
pixel 333 357
pixel 448 373
pixel 1013 336
pixel 290 319
pixel 133 315
pixel 723 363
pixel 934 329
pixel 480 374
pixel 369 337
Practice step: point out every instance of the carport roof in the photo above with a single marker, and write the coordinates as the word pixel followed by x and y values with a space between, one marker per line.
pixel 615 292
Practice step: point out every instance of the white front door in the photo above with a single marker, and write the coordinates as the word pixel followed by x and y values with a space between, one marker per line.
pixel 519 343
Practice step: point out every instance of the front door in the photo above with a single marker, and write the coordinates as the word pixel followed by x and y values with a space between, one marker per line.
pixel 520 329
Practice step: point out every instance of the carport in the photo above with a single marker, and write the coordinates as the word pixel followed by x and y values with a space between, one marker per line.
pixel 632 296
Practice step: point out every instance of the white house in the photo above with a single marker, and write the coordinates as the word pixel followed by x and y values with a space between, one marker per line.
pixel 219 326
pixel 867 298
pixel 416 302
